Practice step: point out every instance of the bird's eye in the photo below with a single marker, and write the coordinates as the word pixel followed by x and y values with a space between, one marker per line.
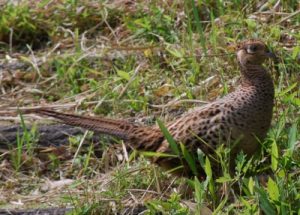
pixel 251 49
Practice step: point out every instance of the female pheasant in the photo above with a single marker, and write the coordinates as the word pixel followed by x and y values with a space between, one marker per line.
pixel 242 117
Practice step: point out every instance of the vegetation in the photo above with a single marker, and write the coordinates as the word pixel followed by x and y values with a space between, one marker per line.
pixel 144 60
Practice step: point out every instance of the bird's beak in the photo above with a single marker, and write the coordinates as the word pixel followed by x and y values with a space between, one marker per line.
pixel 271 55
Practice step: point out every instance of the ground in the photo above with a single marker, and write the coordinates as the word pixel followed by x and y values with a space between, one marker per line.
pixel 141 61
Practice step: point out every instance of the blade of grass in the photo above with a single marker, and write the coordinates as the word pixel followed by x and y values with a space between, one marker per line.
pixel 169 138
pixel 157 154
pixel 189 159
pixel 199 26
pixel 274 156
pixel 265 204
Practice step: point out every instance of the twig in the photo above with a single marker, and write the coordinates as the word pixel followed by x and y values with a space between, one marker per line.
pixel 125 152
pixel 34 62
pixel 142 190
pixel 177 102
pixel 271 13
pixel 79 147
pixel 288 17
pixel 112 31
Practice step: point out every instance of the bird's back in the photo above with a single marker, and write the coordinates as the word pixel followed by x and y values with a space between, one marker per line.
pixel 246 112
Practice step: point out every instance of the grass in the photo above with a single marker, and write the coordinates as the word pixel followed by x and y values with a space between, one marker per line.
pixel 132 60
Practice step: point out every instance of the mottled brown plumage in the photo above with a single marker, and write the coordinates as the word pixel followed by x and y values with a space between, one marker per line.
pixel 243 115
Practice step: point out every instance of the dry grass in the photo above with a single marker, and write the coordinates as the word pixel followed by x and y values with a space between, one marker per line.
pixel 139 60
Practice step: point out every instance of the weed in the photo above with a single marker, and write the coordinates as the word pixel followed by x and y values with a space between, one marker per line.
pixel 25 146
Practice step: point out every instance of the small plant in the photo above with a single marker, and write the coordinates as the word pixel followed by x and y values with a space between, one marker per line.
pixel 25 145
pixel 156 28
pixel 172 205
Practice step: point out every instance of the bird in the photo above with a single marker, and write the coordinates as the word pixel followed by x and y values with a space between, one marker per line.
pixel 240 119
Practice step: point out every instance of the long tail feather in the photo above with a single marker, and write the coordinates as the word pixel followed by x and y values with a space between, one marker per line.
pixel 118 128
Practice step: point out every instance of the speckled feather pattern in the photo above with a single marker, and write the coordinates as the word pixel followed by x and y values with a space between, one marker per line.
pixel 243 115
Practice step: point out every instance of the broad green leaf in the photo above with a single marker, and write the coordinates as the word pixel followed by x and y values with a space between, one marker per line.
pixel 295 101
pixel 296 52
pixel 251 23
pixel 273 190
pixel 209 178
pixel 123 74
pixel 251 185
pixel 207 169
pixel 201 156
pixel 281 173
pixel 224 179
pixel 198 191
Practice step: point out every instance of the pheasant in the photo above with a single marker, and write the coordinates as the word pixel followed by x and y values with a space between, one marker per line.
pixel 242 117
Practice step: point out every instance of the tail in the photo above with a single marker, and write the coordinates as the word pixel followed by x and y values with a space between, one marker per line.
pixel 118 128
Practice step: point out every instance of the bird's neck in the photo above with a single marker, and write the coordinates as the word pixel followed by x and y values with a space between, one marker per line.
pixel 255 75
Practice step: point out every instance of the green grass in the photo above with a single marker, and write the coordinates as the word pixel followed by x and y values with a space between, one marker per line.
pixel 125 61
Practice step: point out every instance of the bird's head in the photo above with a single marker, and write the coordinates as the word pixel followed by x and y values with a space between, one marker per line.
pixel 253 52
